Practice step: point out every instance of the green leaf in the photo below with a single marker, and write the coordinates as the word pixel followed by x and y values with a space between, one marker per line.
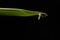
pixel 18 12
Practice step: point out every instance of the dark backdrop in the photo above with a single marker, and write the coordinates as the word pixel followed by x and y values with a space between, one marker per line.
pixel 25 27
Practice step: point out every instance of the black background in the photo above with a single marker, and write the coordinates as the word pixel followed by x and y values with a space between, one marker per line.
pixel 26 27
